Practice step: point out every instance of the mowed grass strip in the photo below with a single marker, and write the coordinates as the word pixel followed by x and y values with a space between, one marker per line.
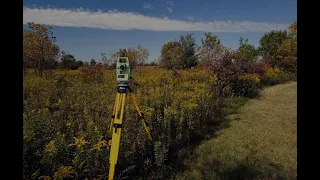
pixel 260 143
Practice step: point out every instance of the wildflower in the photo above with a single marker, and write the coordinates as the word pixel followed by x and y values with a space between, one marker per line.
pixel 77 165
pixel 59 101
pixel 252 77
pixel 79 143
pixel 50 147
pixel 68 124
pixel 63 172
pixel 101 143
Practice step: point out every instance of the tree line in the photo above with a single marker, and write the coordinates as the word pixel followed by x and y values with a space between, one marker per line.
pixel 276 48
pixel 40 52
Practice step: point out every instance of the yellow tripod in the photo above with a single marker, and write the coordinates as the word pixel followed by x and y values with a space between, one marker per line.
pixel 116 126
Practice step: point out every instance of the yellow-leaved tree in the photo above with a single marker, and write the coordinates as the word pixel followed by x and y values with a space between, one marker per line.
pixel 39 49
pixel 288 50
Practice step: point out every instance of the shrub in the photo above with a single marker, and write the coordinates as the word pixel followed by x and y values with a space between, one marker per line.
pixel 259 68
pixel 234 80
pixel 248 85
pixel 92 73
pixel 74 66
pixel 274 76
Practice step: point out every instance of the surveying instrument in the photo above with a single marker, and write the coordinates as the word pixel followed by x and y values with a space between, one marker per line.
pixel 123 73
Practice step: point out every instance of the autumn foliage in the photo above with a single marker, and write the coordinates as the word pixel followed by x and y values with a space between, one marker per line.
pixel 66 117
pixel 39 48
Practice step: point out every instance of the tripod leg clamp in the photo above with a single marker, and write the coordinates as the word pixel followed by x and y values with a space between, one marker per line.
pixel 116 126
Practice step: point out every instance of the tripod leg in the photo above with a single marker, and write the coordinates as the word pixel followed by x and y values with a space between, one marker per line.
pixel 116 133
pixel 117 100
pixel 141 116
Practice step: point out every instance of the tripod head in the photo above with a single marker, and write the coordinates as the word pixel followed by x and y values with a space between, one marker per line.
pixel 123 72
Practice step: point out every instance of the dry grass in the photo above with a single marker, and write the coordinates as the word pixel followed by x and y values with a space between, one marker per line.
pixel 260 143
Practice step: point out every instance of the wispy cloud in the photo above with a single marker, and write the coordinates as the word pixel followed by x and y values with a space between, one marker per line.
pixel 147 6
pixel 170 9
pixel 190 18
pixel 218 10
pixel 127 20
pixel 170 5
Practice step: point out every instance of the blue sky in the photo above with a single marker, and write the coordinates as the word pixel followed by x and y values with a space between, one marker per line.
pixel 87 28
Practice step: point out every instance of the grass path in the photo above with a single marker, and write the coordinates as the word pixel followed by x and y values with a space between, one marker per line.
pixel 260 142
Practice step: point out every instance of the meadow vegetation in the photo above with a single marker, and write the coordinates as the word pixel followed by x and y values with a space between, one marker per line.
pixel 185 98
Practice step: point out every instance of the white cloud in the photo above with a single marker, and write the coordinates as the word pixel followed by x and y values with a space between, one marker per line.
pixel 126 20
pixel 147 6
pixel 190 18
pixel 170 6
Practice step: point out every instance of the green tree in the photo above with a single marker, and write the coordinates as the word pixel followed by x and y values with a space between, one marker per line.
pixel 179 54
pixel 171 54
pixel 246 55
pixel 93 62
pixel 210 40
pixel 269 46
pixel 246 51
pixel 188 46
pixel 67 61
pixel 79 63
